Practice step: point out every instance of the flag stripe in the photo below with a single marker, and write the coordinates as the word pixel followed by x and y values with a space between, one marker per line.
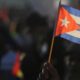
pixel 71 10
pixel 74 33
pixel 72 36
pixel 77 19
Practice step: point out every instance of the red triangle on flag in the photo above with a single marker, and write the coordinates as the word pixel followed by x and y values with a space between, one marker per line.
pixel 65 22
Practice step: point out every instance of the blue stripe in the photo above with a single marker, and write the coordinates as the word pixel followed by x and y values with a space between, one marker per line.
pixel 70 38
pixel 72 10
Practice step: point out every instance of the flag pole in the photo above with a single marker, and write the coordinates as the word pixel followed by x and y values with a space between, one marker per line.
pixel 53 37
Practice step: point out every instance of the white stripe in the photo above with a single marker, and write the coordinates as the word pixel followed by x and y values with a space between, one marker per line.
pixel 74 33
pixel 76 18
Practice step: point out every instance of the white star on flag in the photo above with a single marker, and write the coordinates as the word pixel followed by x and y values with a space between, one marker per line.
pixel 65 22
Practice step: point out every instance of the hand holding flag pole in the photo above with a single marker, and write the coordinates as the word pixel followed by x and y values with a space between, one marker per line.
pixel 52 42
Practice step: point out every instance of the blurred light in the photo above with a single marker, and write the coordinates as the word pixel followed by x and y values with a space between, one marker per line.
pixel 44 48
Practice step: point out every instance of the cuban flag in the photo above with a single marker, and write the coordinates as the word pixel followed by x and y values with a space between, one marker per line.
pixel 68 24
